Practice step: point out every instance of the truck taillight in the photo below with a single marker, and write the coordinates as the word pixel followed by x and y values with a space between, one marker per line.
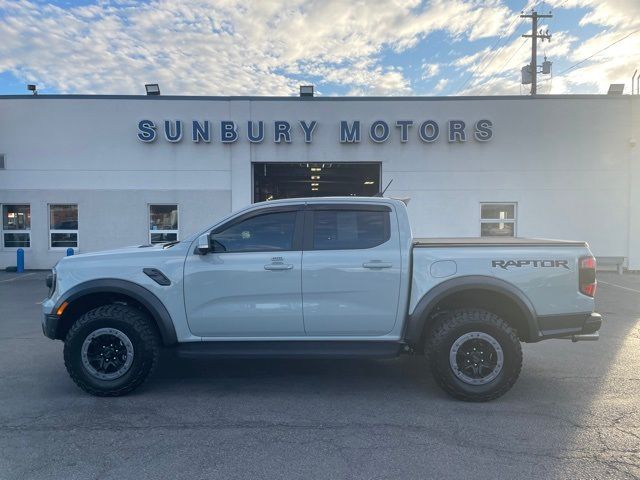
pixel 587 276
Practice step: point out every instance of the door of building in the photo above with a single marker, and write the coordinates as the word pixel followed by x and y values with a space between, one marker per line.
pixel 273 180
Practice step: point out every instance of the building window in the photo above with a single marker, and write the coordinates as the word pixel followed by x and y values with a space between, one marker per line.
pixel 16 226
pixel 163 223
pixel 63 226
pixel 498 219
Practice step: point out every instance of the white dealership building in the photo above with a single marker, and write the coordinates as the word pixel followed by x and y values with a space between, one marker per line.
pixel 98 172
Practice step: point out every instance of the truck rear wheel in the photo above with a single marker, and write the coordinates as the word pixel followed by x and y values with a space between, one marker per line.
pixel 474 354
pixel 111 350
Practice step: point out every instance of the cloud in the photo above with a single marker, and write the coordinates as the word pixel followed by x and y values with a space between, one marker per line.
pixel 227 47
pixel 622 13
pixel 499 72
pixel 614 65
pixel 430 70
pixel 441 85
pixel 269 47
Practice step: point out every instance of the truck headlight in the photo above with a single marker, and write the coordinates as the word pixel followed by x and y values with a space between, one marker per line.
pixel 51 282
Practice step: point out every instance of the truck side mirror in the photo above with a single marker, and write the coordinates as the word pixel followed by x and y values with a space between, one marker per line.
pixel 214 245
pixel 203 244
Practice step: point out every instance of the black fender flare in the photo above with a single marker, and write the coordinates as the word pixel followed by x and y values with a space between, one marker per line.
pixel 418 319
pixel 140 294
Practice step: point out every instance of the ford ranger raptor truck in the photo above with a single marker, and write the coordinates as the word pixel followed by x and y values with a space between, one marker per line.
pixel 321 277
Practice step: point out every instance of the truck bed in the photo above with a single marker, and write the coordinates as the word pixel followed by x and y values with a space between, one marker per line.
pixel 493 242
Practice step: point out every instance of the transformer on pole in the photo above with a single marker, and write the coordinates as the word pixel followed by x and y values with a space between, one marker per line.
pixel 530 72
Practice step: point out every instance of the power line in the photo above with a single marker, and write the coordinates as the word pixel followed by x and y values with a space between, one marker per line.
pixel 593 55
pixel 513 55
pixel 491 50
pixel 501 69
pixel 534 36
pixel 495 55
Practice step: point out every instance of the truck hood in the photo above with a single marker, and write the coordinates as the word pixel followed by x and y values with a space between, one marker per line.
pixel 137 249
pixel 149 255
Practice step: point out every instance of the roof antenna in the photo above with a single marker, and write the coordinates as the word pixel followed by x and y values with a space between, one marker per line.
pixel 381 194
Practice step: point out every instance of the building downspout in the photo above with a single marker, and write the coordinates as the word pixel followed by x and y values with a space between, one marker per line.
pixel 633 189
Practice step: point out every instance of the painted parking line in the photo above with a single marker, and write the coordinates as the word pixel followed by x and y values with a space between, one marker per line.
pixel 619 286
pixel 18 278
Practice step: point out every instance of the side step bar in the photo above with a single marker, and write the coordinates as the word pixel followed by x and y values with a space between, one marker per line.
pixel 289 349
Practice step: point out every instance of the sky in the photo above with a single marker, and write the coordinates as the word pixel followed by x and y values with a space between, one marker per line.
pixel 343 47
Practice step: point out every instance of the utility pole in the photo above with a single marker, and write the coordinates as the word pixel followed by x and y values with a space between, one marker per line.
pixel 535 35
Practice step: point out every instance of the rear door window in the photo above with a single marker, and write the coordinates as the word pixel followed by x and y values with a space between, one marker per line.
pixel 349 229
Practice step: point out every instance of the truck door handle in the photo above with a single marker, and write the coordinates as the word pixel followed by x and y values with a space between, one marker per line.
pixel 278 266
pixel 376 264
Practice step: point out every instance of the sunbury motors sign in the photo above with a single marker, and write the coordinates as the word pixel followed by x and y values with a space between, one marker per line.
pixel 282 131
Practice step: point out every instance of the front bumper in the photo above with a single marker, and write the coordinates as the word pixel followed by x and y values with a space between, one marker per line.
pixel 50 320
pixel 50 324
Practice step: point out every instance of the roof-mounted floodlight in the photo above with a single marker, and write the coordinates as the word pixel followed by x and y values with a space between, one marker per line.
pixel 306 90
pixel 616 89
pixel 152 89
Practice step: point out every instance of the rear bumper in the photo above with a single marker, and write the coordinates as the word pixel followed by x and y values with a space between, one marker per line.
pixel 592 324
pixel 50 323
pixel 563 326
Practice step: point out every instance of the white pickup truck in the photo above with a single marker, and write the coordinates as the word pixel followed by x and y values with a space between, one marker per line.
pixel 321 277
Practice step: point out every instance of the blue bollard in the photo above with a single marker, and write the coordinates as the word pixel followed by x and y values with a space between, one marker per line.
pixel 20 260
pixel 69 251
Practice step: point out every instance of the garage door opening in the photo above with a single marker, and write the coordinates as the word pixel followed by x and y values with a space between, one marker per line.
pixel 272 181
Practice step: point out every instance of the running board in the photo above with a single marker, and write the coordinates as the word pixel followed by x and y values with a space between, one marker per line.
pixel 289 349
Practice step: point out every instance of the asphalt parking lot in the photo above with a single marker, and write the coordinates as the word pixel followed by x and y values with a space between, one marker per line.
pixel 574 413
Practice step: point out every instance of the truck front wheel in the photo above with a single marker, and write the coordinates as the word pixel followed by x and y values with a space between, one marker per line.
pixel 474 354
pixel 111 350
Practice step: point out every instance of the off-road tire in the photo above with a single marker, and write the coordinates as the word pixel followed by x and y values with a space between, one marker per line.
pixel 451 325
pixel 136 326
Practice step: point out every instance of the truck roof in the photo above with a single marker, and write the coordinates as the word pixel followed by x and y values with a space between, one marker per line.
pixel 350 199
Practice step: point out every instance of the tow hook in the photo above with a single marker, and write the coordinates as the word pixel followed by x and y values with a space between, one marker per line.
pixel 407 349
